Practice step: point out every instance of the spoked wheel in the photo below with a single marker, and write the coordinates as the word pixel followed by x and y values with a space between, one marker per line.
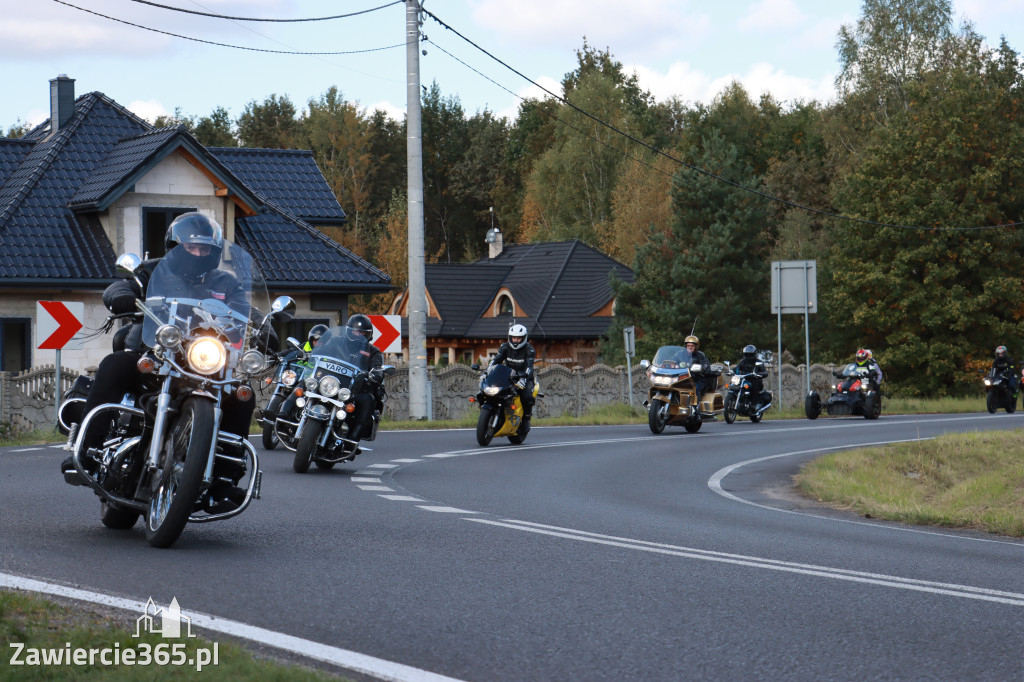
pixel 487 424
pixel 270 439
pixel 117 517
pixel 177 481
pixel 307 446
pixel 654 417
pixel 730 407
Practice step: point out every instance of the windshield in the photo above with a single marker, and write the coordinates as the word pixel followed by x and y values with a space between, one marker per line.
pixel 854 370
pixel 225 297
pixel 499 375
pixel 672 357
pixel 345 345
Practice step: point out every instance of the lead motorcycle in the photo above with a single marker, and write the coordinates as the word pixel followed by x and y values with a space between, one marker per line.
pixel 164 456
pixel 325 396
pixel 998 391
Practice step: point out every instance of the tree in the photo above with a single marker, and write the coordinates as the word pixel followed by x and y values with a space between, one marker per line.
pixel 215 130
pixel 270 125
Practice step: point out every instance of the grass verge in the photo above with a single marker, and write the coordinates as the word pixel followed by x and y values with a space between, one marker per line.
pixel 46 626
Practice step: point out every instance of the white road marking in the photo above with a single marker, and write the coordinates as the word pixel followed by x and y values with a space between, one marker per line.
pixel 407 461
pixel 367 665
pixel 380 488
pixel 897 582
pixel 401 498
pixel 34 449
pixel 365 479
pixel 447 510
pixel 382 466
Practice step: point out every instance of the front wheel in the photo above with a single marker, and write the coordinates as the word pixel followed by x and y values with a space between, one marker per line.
pixel 306 448
pixel 812 406
pixel 991 403
pixel 183 462
pixel 873 406
pixel 654 417
pixel 484 429
pixel 730 407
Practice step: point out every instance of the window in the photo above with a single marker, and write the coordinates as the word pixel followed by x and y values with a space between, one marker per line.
pixel 505 306
pixel 154 228
pixel 298 329
pixel 15 344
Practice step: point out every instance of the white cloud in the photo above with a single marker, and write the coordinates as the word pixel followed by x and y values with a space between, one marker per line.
pixel 148 109
pixel 771 15
pixel 692 86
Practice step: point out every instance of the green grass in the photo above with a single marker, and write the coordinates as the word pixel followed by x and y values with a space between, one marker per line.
pixel 41 624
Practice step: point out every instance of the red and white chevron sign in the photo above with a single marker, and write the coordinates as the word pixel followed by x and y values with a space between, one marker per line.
pixel 387 332
pixel 57 322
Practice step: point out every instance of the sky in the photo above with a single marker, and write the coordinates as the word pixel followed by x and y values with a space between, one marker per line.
pixel 689 49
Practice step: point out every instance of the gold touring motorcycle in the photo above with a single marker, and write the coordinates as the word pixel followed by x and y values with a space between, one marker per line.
pixel 672 399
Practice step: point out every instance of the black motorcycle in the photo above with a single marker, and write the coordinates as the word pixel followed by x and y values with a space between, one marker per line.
pixel 284 380
pixel 339 371
pixel 164 456
pixel 998 391
pixel 501 408
pixel 741 398
pixel 855 393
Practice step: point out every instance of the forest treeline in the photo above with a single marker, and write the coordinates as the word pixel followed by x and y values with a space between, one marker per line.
pixel 907 190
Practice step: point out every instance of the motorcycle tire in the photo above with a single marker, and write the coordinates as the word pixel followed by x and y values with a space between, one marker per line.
pixel 326 466
pixel 520 436
pixel 755 417
pixel 180 476
pixel 484 430
pixel 654 419
pixel 730 407
pixel 270 439
pixel 693 426
pixel 991 403
pixel 116 517
pixel 812 406
pixel 307 446
pixel 1011 406
pixel 872 407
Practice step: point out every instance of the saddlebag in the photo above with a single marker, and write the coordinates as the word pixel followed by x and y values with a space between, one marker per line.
pixel 72 403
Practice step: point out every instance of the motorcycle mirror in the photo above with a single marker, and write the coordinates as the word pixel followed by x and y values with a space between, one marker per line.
pixel 389 370
pixel 293 342
pixel 283 308
pixel 643 363
pixel 128 265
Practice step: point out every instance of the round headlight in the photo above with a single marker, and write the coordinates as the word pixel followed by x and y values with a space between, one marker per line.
pixel 344 394
pixel 310 384
pixel 207 355
pixel 168 336
pixel 289 377
pixel 329 386
pixel 300 402
pixel 735 381
pixel 252 362
pixel 491 390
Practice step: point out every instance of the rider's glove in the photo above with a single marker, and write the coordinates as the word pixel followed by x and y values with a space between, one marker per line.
pixel 521 384
pixel 377 374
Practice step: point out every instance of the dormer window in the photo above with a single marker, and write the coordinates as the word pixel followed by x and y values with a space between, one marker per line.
pixel 505 305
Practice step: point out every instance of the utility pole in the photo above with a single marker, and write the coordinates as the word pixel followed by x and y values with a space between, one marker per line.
pixel 417 307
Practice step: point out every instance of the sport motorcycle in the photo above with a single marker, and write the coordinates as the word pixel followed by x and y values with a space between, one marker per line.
pixel 501 408
pixel 998 391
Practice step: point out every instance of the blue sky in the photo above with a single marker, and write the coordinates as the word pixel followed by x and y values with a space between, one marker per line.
pixel 689 49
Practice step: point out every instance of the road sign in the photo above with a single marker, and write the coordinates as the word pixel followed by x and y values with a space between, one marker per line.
pixel 387 332
pixel 629 337
pixel 795 286
pixel 57 322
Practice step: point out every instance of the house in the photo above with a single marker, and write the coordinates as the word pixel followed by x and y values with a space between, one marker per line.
pixel 95 181
pixel 561 292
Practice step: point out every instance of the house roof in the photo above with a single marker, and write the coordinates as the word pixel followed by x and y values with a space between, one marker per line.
pixel 53 184
pixel 559 285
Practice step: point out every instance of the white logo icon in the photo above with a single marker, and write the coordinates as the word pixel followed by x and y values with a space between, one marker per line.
pixel 165 622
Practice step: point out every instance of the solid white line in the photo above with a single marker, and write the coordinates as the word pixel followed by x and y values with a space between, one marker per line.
pixel 32 449
pixel 367 665
pixel 447 510
pixel 949 589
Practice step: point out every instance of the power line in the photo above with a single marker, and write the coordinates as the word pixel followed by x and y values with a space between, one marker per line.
pixel 235 47
pixel 702 171
pixel 221 16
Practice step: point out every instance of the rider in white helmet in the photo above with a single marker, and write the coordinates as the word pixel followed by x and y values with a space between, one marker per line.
pixel 519 355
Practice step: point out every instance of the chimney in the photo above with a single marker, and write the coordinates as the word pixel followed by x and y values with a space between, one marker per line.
pixel 495 242
pixel 62 102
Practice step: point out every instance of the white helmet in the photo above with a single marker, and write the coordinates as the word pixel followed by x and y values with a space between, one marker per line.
pixel 516 336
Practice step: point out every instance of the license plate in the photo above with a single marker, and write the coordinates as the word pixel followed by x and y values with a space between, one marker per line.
pixel 337 369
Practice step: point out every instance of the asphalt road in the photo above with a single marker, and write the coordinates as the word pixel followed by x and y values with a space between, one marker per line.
pixel 587 553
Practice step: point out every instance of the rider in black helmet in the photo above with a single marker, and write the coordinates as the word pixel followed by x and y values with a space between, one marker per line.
pixel 750 364
pixel 359 332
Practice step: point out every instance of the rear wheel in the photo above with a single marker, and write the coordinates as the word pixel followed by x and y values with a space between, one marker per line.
pixel 1011 405
pixel 693 426
pixel 730 407
pixel 307 446
pixel 812 406
pixel 756 416
pixel 654 417
pixel 183 461
pixel 484 429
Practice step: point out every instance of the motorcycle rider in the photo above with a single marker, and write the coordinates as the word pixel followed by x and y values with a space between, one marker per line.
pixel 358 333
pixel 864 358
pixel 750 364
pixel 291 357
pixel 700 380
pixel 1003 362
pixel 193 272
pixel 519 355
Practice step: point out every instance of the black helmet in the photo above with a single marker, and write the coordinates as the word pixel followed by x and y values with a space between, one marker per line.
pixel 749 351
pixel 315 333
pixel 359 326
pixel 194 228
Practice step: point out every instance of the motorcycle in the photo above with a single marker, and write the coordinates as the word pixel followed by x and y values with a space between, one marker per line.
pixel 672 399
pixel 501 409
pixel 164 456
pixel 742 400
pixel 998 393
pixel 856 393
pixel 326 397
pixel 267 417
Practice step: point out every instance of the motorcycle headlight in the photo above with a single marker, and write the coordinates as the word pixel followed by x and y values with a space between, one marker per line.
pixel 344 394
pixel 207 356
pixel 168 336
pixel 662 380
pixel 310 384
pixel 988 382
pixel 491 390
pixel 289 377
pixel 329 386
pixel 735 381
pixel 252 362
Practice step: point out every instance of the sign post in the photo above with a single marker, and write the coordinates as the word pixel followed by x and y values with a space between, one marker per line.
pixel 57 322
pixel 795 290
pixel 629 339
